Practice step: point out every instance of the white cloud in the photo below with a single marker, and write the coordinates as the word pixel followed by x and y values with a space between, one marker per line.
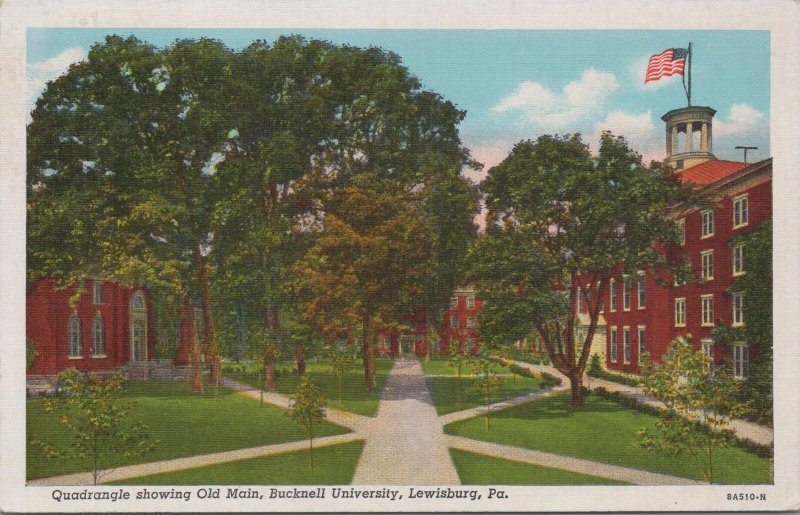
pixel 551 111
pixel 41 72
pixel 638 129
pixel 742 119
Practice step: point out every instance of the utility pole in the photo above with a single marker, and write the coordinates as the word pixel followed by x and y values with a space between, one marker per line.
pixel 740 147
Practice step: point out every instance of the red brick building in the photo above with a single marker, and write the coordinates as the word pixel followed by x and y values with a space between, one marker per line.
pixel 459 325
pixel 108 327
pixel 646 312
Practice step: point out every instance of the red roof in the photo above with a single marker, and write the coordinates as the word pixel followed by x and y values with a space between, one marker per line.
pixel 710 172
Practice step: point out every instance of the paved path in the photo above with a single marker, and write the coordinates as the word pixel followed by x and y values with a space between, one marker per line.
pixel 756 433
pixel 558 461
pixel 405 444
pixel 522 399
pixel 157 467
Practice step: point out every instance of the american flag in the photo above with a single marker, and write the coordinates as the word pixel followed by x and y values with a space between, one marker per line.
pixel 669 62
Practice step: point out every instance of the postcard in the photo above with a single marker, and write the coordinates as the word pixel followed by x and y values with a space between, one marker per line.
pixel 399 257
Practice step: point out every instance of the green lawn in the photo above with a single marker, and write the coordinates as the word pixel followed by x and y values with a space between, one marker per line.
pixel 479 469
pixel 603 430
pixel 185 424
pixel 354 399
pixel 333 465
pixel 447 398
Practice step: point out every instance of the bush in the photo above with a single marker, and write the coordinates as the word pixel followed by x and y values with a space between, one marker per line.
pixel 595 370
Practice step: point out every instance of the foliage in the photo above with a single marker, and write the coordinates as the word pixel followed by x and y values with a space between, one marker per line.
pixel 457 357
pixel 308 410
pixel 87 407
pixel 485 370
pixel 596 370
pixel 559 219
pixel 341 361
pixel 694 393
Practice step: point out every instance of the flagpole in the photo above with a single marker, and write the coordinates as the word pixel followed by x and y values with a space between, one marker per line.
pixel 689 92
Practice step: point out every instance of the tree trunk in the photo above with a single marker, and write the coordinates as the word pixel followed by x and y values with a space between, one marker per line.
pixel 187 312
pixel 576 387
pixel 368 355
pixel 212 353
pixel 299 357
pixel 272 327
pixel 269 371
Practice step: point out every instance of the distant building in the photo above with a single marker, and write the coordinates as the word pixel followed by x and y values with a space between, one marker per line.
pixel 459 326
pixel 108 327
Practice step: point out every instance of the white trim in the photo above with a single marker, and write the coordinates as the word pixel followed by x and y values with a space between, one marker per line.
pixel 626 294
pixel 703 255
pixel 745 211
pixel 704 312
pixel 740 247
pixel 737 295
pixel 741 363
pixel 682 302
pixel 641 291
pixel 626 344
pixel 703 213
pixel 641 330
pixel 707 346
pixel 682 231
pixel 612 296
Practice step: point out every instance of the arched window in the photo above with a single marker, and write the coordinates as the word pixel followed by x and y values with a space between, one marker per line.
pixel 99 347
pixel 74 336
pixel 137 302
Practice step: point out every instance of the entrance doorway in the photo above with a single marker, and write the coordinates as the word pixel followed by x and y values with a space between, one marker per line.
pixel 406 345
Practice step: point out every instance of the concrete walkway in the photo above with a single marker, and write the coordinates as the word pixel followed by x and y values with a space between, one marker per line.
pixel 522 399
pixel 756 433
pixel 405 444
pixel 157 467
pixel 558 461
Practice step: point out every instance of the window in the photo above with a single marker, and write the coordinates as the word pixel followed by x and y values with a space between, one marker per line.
pixel 738 259
pixel 97 291
pixel 741 361
pixel 680 312
pixel 640 290
pixel 137 302
pixel 738 308
pixel 471 322
pixel 626 344
pixel 453 302
pixel 579 300
pixel 454 322
pixel 74 336
pixel 740 211
pixel 642 344
pixel 708 347
pixel 707 309
pixel 707 264
pixel 681 228
pixel 612 295
pixel 470 302
pixel 626 295
pixel 98 342
pixel 602 307
pixel 588 299
pixel 613 344
pixel 708 223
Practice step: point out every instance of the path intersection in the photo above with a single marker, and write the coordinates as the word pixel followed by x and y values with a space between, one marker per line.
pixel 405 443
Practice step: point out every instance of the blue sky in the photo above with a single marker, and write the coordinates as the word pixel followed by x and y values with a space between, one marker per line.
pixel 518 84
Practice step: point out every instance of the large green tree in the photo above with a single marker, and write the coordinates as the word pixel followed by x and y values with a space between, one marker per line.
pixel 120 164
pixel 560 218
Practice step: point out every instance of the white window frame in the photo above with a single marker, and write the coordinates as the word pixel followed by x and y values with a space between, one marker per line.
pixel 612 295
pixel 741 211
pixel 74 341
pixel 612 341
pixel 602 308
pixel 707 346
pixel 626 344
pixel 741 360
pixel 707 265
pixel 626 294
pixel 454 319
pixel 471 302
pixel 682 231
pixel 707 310
pixel 587 299
pixel 680 312
pixel 706 223
pixel 453 302
pixel 471 322
pixel 98 337
pixel 641 341
pixel 579 300
pixel 737 259
pixel 737 305
pixel 97 292
pixel 641 291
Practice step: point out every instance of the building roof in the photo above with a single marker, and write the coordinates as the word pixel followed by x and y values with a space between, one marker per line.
pixel 710 172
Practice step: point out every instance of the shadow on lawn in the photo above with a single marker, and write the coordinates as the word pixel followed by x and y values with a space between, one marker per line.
pixel 557 406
